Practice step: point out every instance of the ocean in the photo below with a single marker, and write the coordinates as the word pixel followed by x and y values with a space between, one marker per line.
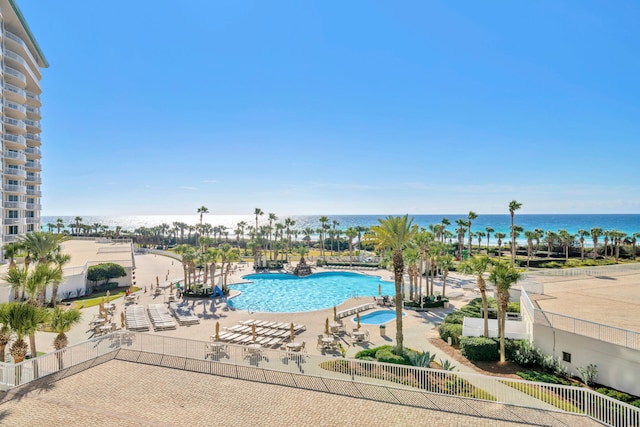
pixel 627 223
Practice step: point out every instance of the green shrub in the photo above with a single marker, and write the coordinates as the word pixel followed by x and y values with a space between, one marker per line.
pixel 528 356
pixel 635 403
pixel 455 317
pixel 615 394
pixel 513 307
pixel 371 352
pixel 479 348
pixel 452 330
pixel 387 356
pixel 542 377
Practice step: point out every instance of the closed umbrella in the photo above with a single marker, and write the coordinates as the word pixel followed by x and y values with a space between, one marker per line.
pixel 108 296
pixel 253 332
pixel 217 331
pixel 379 288
pixel 122 319
pixel 335 314
pixel 358 319
pixel 326 326
pixel 293 333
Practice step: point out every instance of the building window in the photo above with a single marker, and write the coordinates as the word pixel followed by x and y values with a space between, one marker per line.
pixel 13 214
pixel 13 229
pixel 30 227
pixel 566 357
pixel 13 198
pixel 30 200
pixel 30 214
pixel 31 187
pixel 13 182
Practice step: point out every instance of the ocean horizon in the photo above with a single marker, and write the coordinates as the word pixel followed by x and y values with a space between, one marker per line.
pixel 626 223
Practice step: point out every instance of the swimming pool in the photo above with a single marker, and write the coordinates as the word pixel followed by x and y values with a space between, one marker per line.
pixel 286 293
pixel 377 317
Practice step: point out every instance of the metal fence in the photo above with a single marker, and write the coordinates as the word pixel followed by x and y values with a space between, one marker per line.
pixel 316 372
pixel 599 331
pixel 587 271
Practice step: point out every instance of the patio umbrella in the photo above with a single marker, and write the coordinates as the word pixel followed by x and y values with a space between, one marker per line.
pixel 217 331
pixel 122 319
pixel 326 326
pixel 379 288
pixel 157 281
pixel 108 296
pixel 253 332
pixel 335 314
pixel 293 333
pixel 358 319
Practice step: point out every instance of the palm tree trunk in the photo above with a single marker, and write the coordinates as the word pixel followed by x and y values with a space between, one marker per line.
pixel 398 270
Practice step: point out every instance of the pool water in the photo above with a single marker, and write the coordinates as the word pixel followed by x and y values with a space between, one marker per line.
pixel 286 293
pixel 377 317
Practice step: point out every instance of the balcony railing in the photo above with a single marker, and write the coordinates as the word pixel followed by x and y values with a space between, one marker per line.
pixel 32 136
pixel 13 205
pixel 15 73
pixel 33 110
pixel 21 173
pixel 34 151
pixel 32 165
pixel 15 155
pixel 19 59
pixel 32 220
pixel 34 193
pixel 33 179
pixel 10 238
pixel 17 139
pixel 33 96
pixel 15 106
pixel 18 40
pixel 15 122
pixel 12 221
pixel 34 206
pixel 14 188
pixel 32 123
pixel 15 89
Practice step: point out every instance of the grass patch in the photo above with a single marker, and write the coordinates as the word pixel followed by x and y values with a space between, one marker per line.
pixel 96 297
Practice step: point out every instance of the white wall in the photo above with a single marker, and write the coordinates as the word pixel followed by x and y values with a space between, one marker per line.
pixel 618 367
pixel 474 327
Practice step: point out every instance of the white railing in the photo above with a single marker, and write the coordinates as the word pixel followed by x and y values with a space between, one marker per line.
pixel 14 122
pixel 15 155
pixel 355 310
pixel 14 188
pixel 33 96
pixel 333 374
pixel 10 54
pixel 33 150
pixel 32 136
pixel 15 89
pixel 15 73
pixel 32 123
pixel 18 139
pixel 587 271
pixel 18 40
pixel 599 331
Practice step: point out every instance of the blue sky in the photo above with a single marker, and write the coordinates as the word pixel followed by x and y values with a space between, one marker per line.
pixel 334 107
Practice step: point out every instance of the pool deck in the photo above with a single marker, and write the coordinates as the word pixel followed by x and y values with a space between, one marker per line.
pixel 120 393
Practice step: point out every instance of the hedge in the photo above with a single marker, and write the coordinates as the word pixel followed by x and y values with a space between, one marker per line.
pixel 450 330
pixel 479 349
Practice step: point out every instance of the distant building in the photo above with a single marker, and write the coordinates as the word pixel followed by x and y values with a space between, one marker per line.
pixel 21 60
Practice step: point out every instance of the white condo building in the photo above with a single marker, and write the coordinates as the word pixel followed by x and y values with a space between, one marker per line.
pixel 21 60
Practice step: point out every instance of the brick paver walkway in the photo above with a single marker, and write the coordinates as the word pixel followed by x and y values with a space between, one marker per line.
pixel 119 393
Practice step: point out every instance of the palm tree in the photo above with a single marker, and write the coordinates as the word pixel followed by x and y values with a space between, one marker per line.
pixel 566 239
pixel 59 224
pixel 272 218
pixel 470 217
pixel 462 225
pixel 24 319
pixel 595 233
pixel 480 235
pixel 477 266
pixel 395 233
pixel 500 236
pixel 513 207
pixel 489 230
pixel 202 210
pixel 503 275
pixel 618 238
pixel 530 235
pixel 16 277
pixel 445 263
pixel 5 330
pixel 42 245
pixel 582 234
pixel 59 260
pixel 445 221
pixel 423 240
pixel 61 321
pixel 323 226
pixel 78 220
